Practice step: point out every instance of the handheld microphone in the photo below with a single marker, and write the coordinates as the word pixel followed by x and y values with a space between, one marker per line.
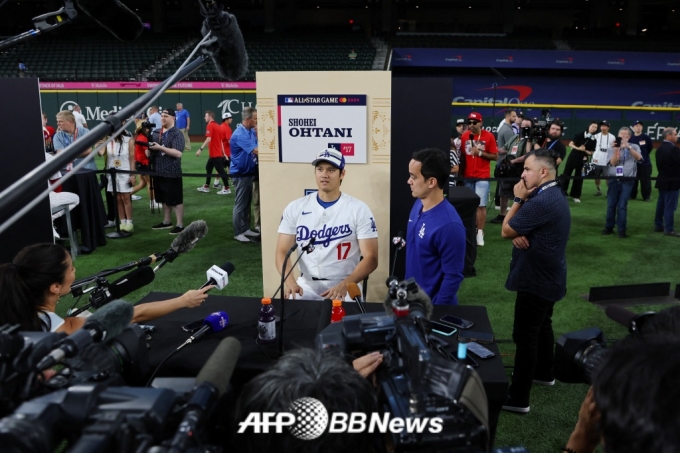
pixel 218 276
pixel 212 382
pixel 103 325
pixel 355 293
pixel 115 17
pixel 214 322
pixel 184 242
pixel 398 241
pixel 627 318
pixel 225 46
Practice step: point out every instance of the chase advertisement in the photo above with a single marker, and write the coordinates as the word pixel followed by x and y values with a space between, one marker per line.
pixel 309 123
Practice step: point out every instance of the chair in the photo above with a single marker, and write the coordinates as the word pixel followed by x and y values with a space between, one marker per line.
pixel 72 235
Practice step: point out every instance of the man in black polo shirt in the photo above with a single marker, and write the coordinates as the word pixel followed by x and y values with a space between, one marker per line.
pixel 167 145
pixel 538 224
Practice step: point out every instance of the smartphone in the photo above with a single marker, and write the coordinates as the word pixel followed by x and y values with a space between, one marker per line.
pixel 479 337
pixel 442 329
pixel 193 326
pixel 457 322
pixel 617 142
pixel 479 350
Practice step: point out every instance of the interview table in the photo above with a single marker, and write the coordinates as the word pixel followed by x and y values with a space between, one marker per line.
pixel 300 329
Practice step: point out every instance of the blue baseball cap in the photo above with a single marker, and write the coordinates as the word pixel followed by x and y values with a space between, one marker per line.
pixel 332 156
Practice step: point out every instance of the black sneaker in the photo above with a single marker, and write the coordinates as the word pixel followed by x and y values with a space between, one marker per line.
pixel 176 230
pixel 607 231
pixel 162 226
pixel 622 235
pixel 513 405
pixel 498 219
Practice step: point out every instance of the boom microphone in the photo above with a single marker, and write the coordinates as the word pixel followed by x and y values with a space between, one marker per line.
pixel 214 322
pixel 218 276
pixel 627 318
pixel 103 325
pixel 129 282
pixel 184 242
pixel 115 17
pixel 212 380
pixel 355 293
pixel 227 49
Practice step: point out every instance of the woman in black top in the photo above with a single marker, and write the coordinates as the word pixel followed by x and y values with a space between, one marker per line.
pixel 582 147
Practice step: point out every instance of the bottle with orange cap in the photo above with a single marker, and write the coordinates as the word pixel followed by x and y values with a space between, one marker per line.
pixel 266 322
pixel 337 313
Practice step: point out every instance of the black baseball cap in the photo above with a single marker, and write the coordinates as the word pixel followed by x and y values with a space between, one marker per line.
pixel 170 112
pixel 638 122
pixel 604 123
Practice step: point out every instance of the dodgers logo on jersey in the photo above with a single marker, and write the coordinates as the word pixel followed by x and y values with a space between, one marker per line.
pixel 324 235
pixel 373 227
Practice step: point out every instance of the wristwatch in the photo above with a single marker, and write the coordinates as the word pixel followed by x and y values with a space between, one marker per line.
pixel 518 200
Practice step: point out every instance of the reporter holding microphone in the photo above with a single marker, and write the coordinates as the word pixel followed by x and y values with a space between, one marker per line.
pixel 31 286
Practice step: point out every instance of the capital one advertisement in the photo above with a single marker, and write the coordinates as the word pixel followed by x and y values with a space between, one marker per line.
pixel 309 123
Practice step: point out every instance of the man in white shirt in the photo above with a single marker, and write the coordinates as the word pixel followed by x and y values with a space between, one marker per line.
pixel 80 118
pixel 603 141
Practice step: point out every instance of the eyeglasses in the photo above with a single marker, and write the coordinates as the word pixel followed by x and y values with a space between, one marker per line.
pixel 473 122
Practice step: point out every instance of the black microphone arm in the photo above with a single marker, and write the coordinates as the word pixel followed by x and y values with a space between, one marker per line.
pixel 43 24
pixel 112 126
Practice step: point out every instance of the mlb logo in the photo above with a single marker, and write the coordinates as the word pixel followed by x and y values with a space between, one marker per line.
pixel 347 149
pixel 289 100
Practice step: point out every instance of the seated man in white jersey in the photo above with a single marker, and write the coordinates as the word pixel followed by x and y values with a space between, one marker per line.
pixel 344 228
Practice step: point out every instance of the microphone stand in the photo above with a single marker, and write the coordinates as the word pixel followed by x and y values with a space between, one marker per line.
pixel 397 247
pixel 284 276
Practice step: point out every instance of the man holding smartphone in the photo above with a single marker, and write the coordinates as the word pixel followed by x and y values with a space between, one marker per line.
pixel 622 158
pixel 538 224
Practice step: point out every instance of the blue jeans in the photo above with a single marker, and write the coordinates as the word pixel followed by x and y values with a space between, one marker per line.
pixel 617 203
pixel 242 200
pixel 665 209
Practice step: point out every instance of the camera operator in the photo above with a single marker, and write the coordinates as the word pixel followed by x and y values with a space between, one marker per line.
pixel 582 146
pixel 621 163
pixel 603 141
pixel 538 224
pixel 305 373
pixel 553 142
pixel 632 405
pixel 31 286
pixel 167 147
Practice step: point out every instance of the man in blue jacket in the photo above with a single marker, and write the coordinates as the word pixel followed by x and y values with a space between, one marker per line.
pixel 435 236
pixel 243 169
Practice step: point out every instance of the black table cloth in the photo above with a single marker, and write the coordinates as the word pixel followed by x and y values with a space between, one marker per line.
pixel 299 331
pixel 89 216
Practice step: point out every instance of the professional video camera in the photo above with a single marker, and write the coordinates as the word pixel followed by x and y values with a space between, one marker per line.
pixel 121 360
pixel 413 382
pixel 150 126
pixel 578 354
pixel 538 132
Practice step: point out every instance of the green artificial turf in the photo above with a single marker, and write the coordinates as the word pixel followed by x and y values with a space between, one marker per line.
pixel 592 260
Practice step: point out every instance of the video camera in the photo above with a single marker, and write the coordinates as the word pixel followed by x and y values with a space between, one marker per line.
pixel 146 125
pixel 538 132
pixel 88 405
pixel 122 360
pixel 413 382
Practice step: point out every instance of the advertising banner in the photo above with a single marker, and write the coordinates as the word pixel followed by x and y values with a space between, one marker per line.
pixel 309 123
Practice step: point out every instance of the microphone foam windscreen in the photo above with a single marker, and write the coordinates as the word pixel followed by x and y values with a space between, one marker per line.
pixel 228 267
pixel 353 290
pixel 132 281
pixel 217 321
pixel 111 318
pixel 231 59
pixel 220 366
pixel 115 17
pixel 187 239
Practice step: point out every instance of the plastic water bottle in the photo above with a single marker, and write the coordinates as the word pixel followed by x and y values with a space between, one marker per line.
pixel 338 312
pixel 266 322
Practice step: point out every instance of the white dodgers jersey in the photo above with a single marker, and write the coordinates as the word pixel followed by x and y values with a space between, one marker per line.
pixel 337 230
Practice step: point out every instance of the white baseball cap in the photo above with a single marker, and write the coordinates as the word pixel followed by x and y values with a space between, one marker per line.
pixel 332 156
pixel 226 116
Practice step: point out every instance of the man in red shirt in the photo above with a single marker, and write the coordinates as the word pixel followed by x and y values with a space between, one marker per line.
pixel 226 142
pixel 480 149
pixel 216 156
pixel 48 133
